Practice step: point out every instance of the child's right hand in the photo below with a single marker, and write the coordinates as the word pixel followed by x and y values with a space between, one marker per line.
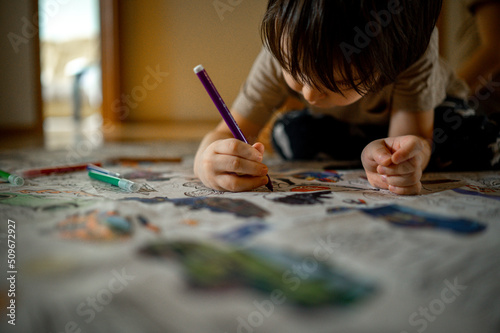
pixel 231 165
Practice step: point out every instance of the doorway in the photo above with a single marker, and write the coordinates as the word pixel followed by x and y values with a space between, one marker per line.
pixel 70 57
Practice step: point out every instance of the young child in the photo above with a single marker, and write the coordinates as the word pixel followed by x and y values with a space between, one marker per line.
pixel 371 78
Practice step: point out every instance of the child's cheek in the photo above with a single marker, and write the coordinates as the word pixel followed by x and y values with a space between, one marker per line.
pixel 349 97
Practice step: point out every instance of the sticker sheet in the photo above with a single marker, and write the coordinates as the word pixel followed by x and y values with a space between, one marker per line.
pixel 324 252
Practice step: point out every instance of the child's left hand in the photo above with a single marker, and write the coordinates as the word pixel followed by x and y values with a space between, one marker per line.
pixel 397 163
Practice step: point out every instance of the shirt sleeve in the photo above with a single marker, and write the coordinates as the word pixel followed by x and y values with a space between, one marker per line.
pixel 423 85
pixel 263 91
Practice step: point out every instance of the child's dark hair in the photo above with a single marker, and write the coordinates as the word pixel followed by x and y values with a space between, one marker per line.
pixel 363 44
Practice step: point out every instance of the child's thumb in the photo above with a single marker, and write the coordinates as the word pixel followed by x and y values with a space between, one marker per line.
pixel 259 146
pixel 383 156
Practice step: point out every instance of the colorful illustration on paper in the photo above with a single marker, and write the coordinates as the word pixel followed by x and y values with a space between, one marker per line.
pixel 309 188
pixel 150 201
pixel 200 190
pixel 436 185
pixel 51 192
pixel 439 181
pixel 286 180
pixel 41 203
pixel 323 176
pixel 336 210
pixel 244 232
pixel 410 217
pixel 311 198
pixel 216 266
pixel 481 192
pixel 144 221
pixel 95 225
pixel 358 202
pixel 413 218
pixel 150 176
pixel 238 207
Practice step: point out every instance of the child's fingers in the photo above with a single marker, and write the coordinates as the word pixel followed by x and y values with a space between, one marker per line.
pixel 235 147
pixel 407 190
pixel 410 146
pixel 234 183
pixel 260 147
pixel 406 180
pixel 378 152
pixel 228 163
pixel 376 180
pixel 404 168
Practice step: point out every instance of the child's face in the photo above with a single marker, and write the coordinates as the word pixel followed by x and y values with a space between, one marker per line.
pixel 325 98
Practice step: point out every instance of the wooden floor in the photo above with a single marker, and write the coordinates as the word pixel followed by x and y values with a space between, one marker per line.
pixel 178 131
pixel 63 135
pixel 59 132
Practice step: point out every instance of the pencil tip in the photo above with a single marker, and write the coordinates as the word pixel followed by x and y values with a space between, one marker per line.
pixel 269 184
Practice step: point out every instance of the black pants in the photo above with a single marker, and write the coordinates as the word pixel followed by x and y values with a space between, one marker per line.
pixel 462 140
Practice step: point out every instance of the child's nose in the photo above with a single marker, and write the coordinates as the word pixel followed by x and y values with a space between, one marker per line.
pixel 312 95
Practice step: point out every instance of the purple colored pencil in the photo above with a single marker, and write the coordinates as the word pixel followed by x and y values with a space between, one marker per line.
pixel 223 109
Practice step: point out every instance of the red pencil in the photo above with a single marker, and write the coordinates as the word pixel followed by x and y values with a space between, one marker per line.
pixel 57 169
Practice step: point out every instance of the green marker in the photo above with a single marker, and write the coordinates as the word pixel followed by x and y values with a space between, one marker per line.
pixel 124 184
pixel 13 179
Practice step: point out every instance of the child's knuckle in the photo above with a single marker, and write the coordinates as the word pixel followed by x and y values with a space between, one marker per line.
pixel 234 164
pixel 232 146
pixel 207 163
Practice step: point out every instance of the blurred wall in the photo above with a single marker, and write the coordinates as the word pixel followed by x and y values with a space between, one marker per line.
pixel 175 36
pixel 19 93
